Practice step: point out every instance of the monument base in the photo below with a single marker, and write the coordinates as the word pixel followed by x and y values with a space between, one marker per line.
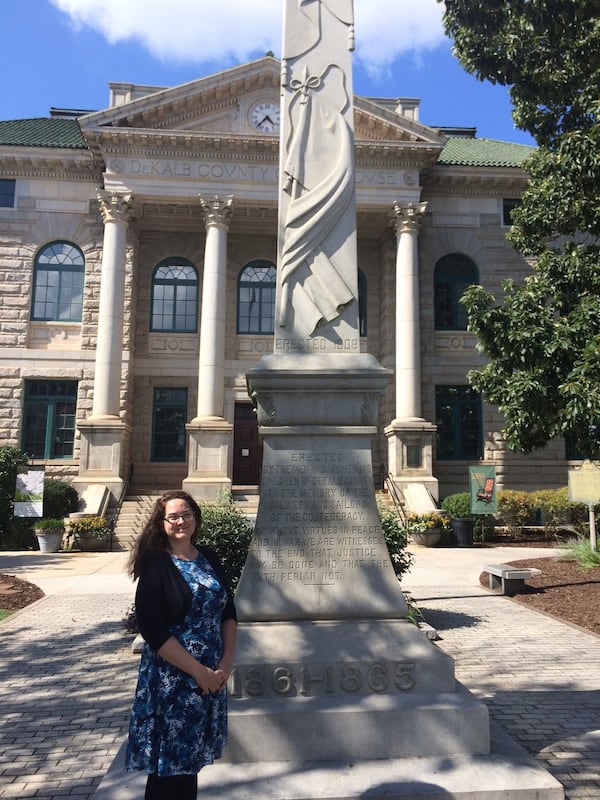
pixel 507 773
pixel 354 689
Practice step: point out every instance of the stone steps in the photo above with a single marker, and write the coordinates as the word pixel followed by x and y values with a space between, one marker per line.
pixel 136 509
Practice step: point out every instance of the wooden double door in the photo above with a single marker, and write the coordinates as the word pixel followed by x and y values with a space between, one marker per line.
pixel 247 448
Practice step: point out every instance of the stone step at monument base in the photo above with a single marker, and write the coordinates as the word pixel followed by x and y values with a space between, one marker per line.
pixel 386 726
pixel 507 773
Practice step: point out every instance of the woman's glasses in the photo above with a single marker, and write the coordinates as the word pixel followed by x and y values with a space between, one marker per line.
pixel 172 519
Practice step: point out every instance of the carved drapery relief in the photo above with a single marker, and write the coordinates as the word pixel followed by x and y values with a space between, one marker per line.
pixel 318 170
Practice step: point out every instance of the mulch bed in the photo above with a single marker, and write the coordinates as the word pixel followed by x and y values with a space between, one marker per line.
pixel 564 589
pixel 16 593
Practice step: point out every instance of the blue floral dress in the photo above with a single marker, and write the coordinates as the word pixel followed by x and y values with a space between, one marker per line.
pixel 174 728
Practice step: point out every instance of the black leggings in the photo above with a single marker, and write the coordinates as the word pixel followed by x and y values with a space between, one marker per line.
pixel 172 787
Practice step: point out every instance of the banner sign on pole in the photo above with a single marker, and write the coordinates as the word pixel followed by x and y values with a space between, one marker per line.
pixel 29 494
pixel 482 481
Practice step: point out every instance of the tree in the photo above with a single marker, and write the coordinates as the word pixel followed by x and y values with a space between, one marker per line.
pixel 543 337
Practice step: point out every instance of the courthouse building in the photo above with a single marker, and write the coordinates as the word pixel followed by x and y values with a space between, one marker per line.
pixel 138 266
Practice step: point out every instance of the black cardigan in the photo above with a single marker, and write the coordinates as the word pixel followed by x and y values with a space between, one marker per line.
pixel 163 598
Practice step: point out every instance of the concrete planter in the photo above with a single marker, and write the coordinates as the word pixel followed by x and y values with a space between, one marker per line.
pixel 427 538
pixel 49 540
pixel 90 543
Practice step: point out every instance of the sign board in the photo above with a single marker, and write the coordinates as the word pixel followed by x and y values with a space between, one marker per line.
pixel 482 482
pixel 584 483
pixel 29 494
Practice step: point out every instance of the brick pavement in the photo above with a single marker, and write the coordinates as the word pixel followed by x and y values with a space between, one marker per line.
pixel 67 674
pixel 67 677
pixel 538 676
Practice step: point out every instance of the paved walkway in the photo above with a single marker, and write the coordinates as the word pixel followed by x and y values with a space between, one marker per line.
pixel 67 672
pixel 67 675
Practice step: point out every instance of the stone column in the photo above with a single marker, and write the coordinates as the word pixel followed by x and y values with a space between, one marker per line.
pixel 408 326
pixel 410 437
pixel 217 214
pixel 210 434
pixel 103 433
pixel 115 210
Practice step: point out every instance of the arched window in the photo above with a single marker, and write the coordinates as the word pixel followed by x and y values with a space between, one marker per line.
pixel 256 297
pixel 58 276
pixel 453 273
pixel 175 296
pixel 362 303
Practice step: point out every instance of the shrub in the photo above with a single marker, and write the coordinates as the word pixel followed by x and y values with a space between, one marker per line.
pixel 515 509
pixel 581 551
pixel 130 622
pixel 553 507
pixel 89 525
pixel 459 506
pixel 579 517
pixel 49 524
pixel 19 536
pixel 228 532
pixel 396 539
pixel 60 498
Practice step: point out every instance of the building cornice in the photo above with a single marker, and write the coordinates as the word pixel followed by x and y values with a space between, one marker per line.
pixel 32 162
pixel 108 143
pixel 151 143
pixel 481 181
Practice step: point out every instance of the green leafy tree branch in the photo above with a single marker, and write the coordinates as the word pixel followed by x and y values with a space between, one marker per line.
pixel 542 337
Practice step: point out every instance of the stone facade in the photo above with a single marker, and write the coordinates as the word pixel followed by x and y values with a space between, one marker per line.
pixel 160 151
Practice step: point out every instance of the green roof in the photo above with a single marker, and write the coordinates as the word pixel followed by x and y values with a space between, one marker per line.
pixel 467 152
pixel 41 132
pixel 65 132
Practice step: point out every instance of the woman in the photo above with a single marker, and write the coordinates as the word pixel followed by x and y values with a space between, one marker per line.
pixel 187 618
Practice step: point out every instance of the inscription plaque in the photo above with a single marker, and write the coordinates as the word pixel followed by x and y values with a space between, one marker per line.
pixel 318 547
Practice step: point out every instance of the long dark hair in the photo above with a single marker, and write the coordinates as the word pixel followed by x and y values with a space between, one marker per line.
pixel 153 538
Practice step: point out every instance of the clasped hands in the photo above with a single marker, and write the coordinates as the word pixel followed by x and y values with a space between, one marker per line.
pixel 212 680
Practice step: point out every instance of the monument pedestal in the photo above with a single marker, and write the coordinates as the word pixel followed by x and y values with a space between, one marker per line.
pixel 328 666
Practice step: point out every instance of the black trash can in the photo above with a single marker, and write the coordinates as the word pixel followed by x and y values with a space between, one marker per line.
pixel 463 531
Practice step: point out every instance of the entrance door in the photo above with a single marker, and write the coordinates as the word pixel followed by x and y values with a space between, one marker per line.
pixel 247 449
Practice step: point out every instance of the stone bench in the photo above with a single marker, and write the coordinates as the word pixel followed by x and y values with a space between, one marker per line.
pixel 510 579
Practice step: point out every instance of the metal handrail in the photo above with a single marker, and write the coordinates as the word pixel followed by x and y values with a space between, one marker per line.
pixel 396 495
pixel 121 499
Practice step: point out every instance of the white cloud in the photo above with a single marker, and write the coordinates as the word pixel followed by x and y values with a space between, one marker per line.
pixel 201 31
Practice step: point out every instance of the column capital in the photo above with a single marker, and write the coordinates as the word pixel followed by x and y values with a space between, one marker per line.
pixel 218 210
pixel 408 216
pixel 115 207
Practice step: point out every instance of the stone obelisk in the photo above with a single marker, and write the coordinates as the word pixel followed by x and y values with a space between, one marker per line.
pixel 318 550
pixel 325 644
pixel 335 693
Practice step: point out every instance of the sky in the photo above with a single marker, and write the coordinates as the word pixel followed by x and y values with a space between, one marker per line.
pixel 64 53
